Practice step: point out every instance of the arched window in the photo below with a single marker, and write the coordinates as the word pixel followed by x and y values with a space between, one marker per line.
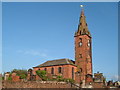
pixel 80 43
pixel 80 39
pixel 52 70
pixel 80 69
pixel 72 73
pixel 59 70
pixel 45 69
pixel 80 23
pixel 80 55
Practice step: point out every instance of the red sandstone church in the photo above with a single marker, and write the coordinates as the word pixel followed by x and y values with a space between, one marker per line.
pixel 81 69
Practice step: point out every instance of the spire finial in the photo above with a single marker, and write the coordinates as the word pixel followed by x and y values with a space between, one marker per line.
pixel 81 6
pixel 82 9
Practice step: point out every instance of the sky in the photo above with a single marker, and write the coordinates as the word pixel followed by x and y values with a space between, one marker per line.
pixel 37 32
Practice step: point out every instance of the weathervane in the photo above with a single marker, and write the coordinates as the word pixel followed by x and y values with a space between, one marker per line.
pixel 81 6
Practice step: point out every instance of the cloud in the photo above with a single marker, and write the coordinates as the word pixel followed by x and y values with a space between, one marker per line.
pixel 32 52
pixel 116 77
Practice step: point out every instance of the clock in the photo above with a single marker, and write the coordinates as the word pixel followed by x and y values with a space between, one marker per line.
pixel 88 43
pixel 80 44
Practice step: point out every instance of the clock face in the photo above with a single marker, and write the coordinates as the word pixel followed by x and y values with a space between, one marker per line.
pixel 80 44
pixel 89 44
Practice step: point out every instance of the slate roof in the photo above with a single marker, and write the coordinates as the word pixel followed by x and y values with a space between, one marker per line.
pixel 57 62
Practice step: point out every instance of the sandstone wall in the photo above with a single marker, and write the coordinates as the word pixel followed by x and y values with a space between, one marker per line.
pixel 35 84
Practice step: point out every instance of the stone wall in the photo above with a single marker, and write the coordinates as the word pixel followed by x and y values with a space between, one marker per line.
pixel 35 84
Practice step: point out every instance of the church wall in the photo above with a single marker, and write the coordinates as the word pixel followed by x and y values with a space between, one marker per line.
pixel 66 70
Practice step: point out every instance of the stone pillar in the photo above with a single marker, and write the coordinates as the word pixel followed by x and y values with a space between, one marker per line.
pixel 6 76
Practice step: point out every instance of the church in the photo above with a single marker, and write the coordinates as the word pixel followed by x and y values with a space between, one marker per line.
pixel 79 70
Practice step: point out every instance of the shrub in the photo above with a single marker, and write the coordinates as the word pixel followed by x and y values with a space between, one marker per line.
pixel 59 78
pixel 10 78
pixel 22 76
pixel 2 78
pixel 42 74
pixel 19 72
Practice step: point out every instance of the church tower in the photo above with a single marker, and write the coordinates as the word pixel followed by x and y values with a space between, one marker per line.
pixel 83 51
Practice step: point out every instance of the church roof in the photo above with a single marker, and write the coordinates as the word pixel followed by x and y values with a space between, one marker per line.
pixel 57 62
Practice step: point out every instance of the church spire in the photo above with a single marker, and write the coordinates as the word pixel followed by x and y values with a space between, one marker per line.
pixel 82 27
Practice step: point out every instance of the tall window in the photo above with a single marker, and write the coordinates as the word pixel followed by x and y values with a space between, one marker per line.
pixel 45 69
pixel 80 43
pixel 59 70
pixel 80 69
pixel 72 73
pixel 52 70
pixel 80 39
pixel 80 55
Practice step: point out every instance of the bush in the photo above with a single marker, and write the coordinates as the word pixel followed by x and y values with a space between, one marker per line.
pixel 42 74
pixel 10 78
pixel 19 72
pixel 59 78
pixel 2 78
pixel 22 76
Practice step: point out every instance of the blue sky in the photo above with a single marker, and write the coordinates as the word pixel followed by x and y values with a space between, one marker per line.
pixel 36 32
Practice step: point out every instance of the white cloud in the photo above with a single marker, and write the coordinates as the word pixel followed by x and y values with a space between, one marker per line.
pixel 32 52
pixel 115 77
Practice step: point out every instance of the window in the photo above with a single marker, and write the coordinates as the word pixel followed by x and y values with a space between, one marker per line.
pixel 80 23
pixel 38 69
pixel 59 70
pixel 80 69
pixel 89 43
pixel 80 43
pixel 80 55
pixel 72 73
pixel 52 70
pixel 45 69
pixel 84 32
pixel 80 39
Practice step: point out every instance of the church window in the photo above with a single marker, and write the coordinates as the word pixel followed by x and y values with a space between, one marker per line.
pixel 80 33
pixel 80 43
pixel 89 43
pixel 59 70
pixel 72 73
pixel 52 70
pixel 80 39
pixel 84 32
pixel 80 23
pixel 80 55
pixel 80 69
pixel 45 69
